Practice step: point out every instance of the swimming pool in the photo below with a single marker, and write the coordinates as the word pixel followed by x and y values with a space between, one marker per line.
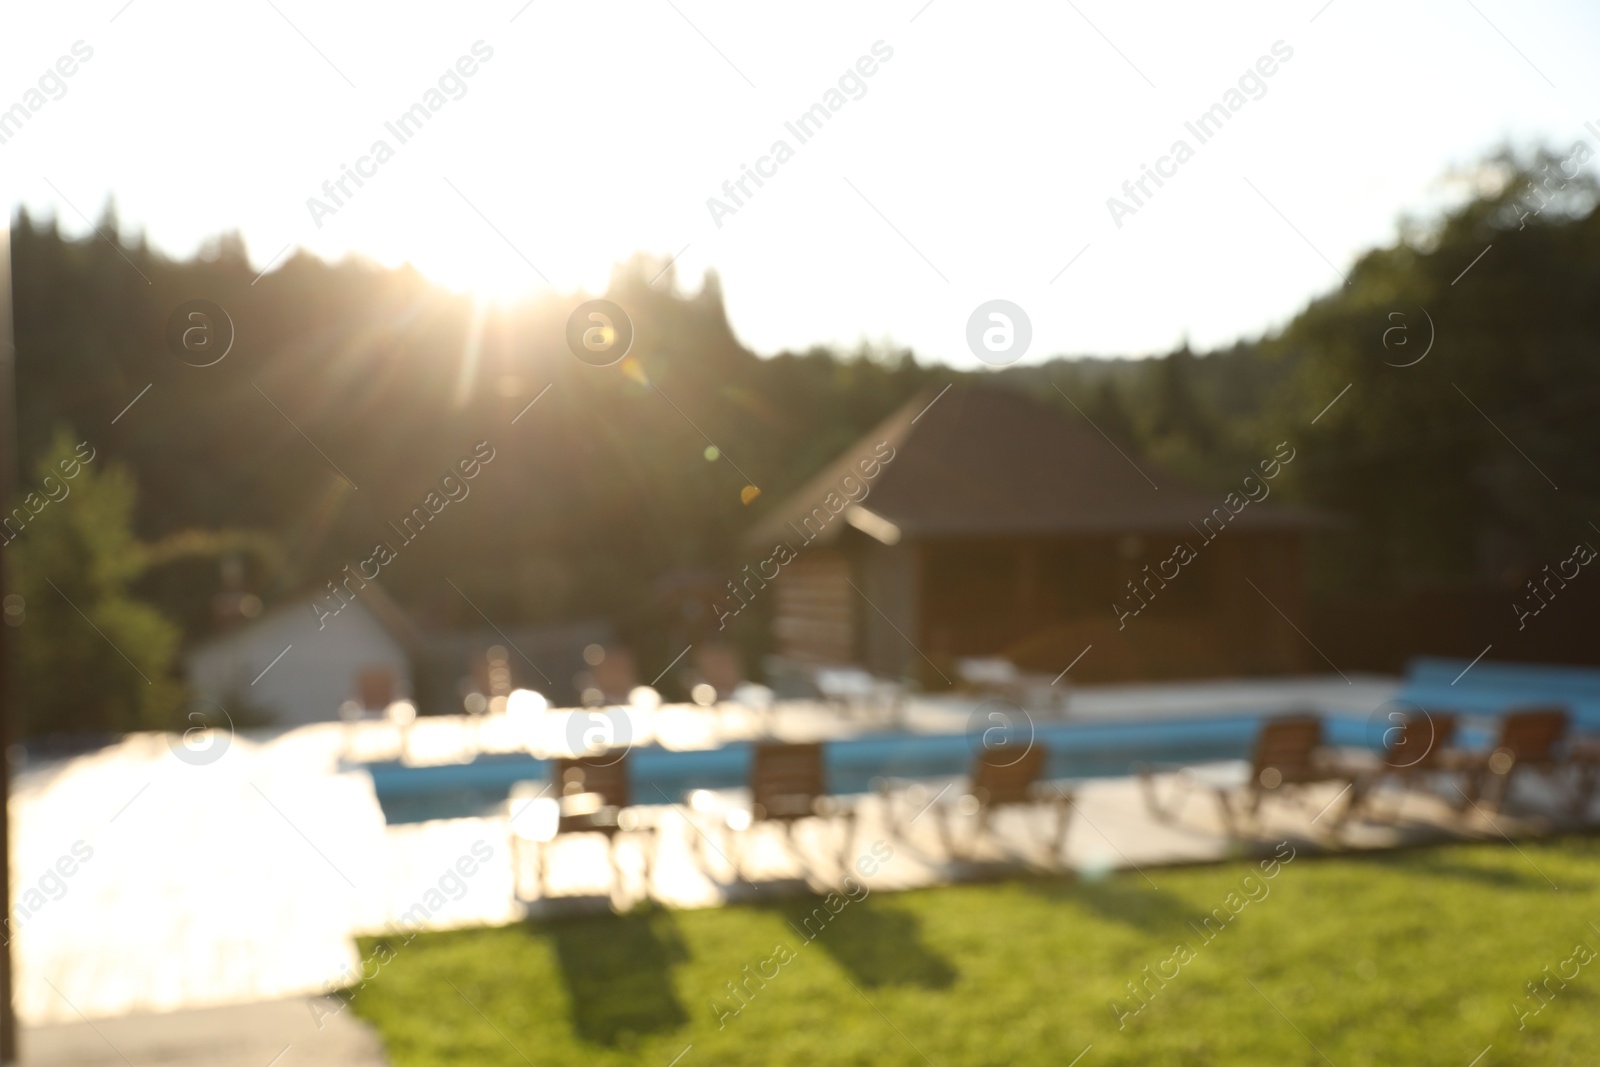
pixel 658 775
pixel 1076 749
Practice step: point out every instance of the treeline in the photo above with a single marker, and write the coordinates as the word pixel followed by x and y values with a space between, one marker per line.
pixel 350 388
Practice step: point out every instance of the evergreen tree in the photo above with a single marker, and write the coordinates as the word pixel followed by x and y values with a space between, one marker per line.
pixel 1111 415
pixel 89 657
pixel 1179 411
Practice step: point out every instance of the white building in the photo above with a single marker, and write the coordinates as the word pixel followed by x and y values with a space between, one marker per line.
pixel 297 668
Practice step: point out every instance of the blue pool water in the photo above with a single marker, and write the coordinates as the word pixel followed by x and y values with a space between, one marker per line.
pixel 659 776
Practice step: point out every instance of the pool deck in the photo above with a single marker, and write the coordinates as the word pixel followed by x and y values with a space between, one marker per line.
pixel 239 885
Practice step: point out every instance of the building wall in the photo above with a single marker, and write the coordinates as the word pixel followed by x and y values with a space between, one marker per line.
pixel 1042 601
pixel 1261 639
pixel 814 619
pixel 317 673
pixel 887 613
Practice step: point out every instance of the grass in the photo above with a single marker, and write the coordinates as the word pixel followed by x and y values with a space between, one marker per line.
pixel 1413 958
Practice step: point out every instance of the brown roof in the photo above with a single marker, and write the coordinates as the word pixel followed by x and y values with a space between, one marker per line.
pixel 989 461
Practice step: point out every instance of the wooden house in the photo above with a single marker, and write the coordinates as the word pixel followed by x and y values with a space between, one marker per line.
pixel 991 524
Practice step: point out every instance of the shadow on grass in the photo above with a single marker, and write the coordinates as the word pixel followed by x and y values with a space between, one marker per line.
pixel 1127 900
pixel 1524 876
pixel 877 943
pixel 617 969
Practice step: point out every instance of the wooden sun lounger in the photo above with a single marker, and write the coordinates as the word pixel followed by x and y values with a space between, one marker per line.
pixel 1008 776
pixel 788 783
pixel 1288 754
pixel 1419 747
pixel 594 798
pixel 1529 740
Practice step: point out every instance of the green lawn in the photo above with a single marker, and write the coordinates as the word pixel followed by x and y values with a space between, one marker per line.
pixel 1413 958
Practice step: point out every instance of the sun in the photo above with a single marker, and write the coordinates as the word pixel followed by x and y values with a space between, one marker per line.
pixel 488 279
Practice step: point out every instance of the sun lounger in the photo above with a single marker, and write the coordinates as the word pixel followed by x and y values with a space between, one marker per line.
pixel 1001 678
pixel 787 784
pixel 1289 755
pixel 1007 776
pixel 1529 740
pixel 586 795
pixel 1415 750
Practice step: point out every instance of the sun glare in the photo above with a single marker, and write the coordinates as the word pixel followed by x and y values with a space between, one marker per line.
pixel 484 279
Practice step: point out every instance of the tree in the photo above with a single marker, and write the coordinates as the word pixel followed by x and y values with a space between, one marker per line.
pixel 90 657
pixel 1445 460
pixel 1179 412
pixel 1111 415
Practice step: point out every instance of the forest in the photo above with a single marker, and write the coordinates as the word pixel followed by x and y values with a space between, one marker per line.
pixel 1456 462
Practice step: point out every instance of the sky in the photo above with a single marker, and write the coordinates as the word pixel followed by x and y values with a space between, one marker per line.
pixel 973 163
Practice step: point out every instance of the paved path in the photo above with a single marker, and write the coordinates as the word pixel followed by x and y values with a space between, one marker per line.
pixel 278 1033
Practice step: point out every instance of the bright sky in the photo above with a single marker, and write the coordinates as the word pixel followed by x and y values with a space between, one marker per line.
pixel 976 165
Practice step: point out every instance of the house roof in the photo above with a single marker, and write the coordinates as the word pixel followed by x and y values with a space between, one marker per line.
pixel 985 461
